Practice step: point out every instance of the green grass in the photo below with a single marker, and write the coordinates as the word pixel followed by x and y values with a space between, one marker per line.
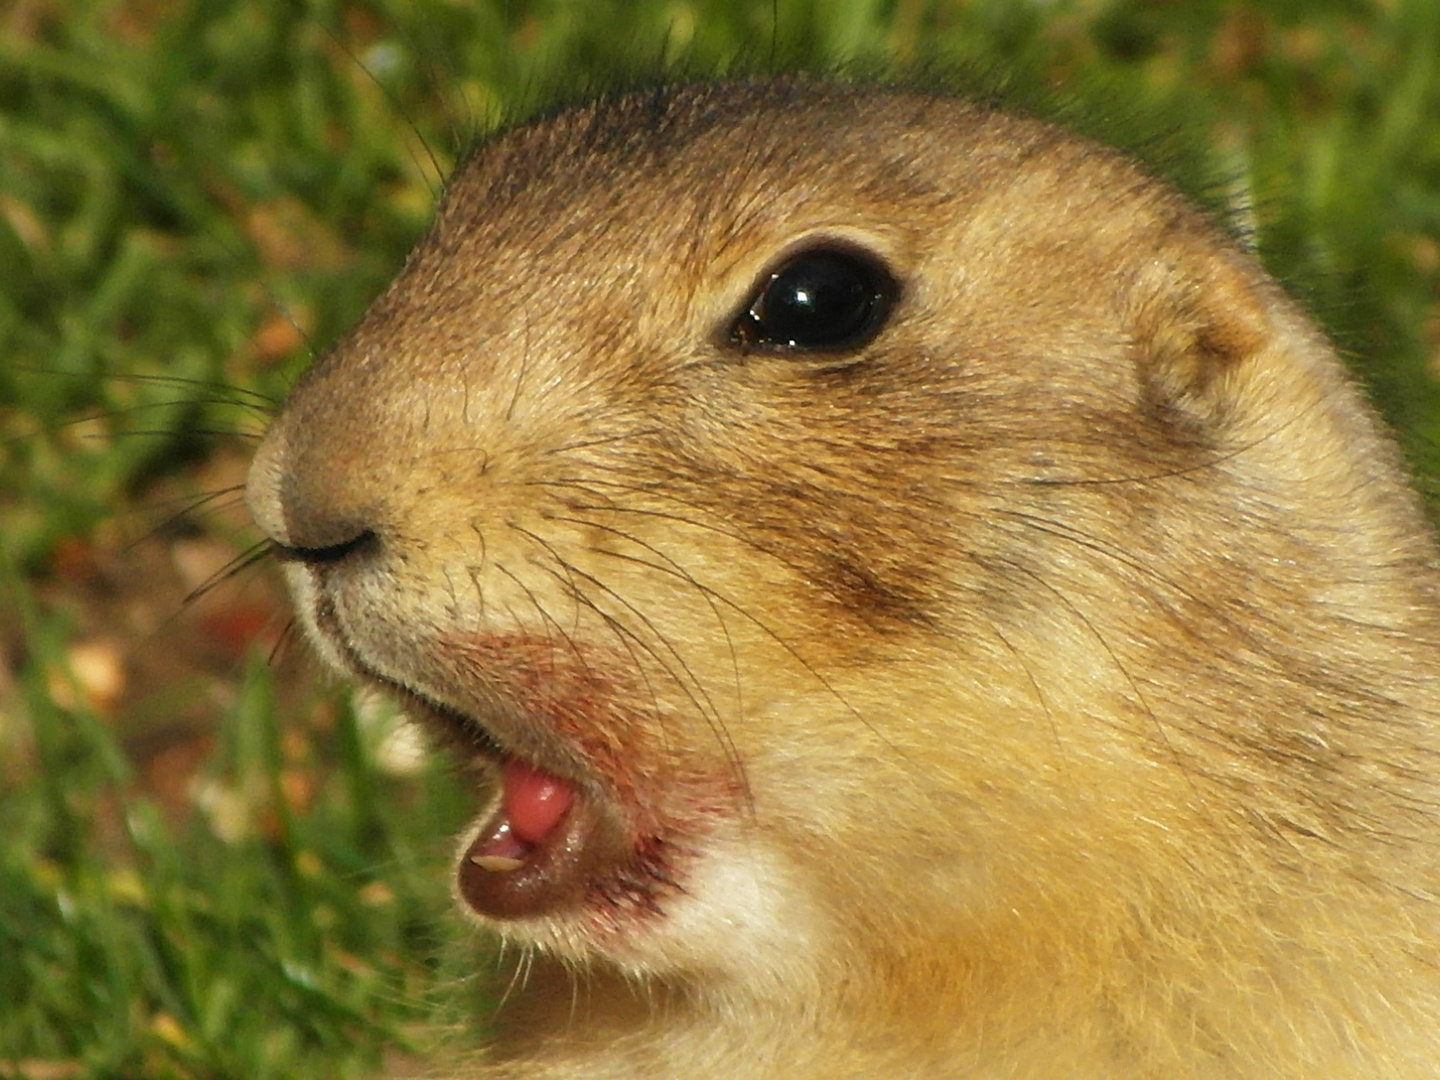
pixel 263 940
pixel 196 196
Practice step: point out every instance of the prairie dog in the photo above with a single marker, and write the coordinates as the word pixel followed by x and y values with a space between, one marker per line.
pixel 927 604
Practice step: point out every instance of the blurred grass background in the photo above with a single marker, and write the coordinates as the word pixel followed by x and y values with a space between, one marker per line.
pixel 213 866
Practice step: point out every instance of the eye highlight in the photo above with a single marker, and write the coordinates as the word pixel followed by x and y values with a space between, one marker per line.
pixel 820 300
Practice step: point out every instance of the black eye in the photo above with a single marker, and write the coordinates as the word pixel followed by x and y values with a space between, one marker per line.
pixel 821 300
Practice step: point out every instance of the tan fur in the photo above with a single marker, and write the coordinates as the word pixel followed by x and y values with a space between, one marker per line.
pixel 1047 690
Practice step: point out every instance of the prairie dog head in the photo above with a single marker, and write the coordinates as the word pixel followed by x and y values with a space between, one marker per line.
pixel 883 548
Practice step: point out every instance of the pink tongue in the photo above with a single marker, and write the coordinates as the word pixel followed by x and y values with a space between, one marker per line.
pixel 534 801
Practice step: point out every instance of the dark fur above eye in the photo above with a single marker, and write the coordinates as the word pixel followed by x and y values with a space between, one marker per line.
pixel 819 300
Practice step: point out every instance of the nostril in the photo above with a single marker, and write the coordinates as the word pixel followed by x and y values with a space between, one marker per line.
pixel 330 553
pixel 312 490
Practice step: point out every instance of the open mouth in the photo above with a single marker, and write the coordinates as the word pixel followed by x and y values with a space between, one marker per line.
pixel 570 834
pixel 543 848
pixel 550 844
pixel 533 804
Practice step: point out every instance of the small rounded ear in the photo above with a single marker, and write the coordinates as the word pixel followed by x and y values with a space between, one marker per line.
pixel 1200 313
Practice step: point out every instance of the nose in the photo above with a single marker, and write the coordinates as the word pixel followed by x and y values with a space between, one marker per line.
pixel 307 530
pixel 318 483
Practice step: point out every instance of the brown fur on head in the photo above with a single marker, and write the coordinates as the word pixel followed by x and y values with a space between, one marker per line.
pixel 1042 684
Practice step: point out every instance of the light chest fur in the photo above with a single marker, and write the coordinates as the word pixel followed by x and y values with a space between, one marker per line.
pixel 1022 663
